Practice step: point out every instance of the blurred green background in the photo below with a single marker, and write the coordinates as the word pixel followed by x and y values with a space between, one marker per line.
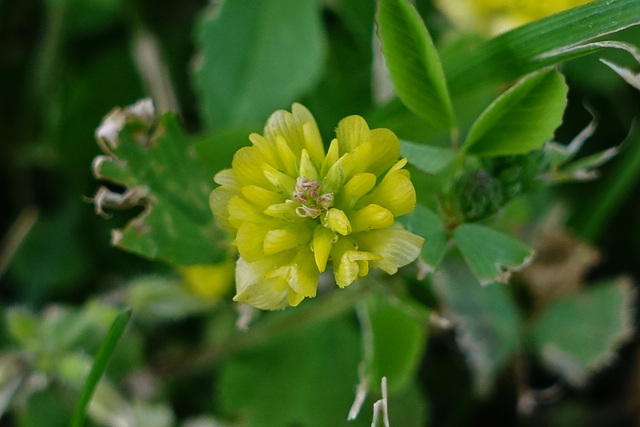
pixel 64 64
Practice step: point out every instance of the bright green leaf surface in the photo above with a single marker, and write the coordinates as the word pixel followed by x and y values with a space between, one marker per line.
pixel 413 63
pixel 522 119
pixel 398 338
pixel 306 377
pixel 490 254
pixel 522 50
pixel 427 158
pixel 177 225
pixel 426 223
pixel 257 57
pixel 487 322
pixel 579 334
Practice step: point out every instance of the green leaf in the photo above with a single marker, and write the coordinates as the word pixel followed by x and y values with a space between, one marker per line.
pixel 159 299
pixel 164 175
pixel 579 334
pixel 408 407
pixel 490 254
pixel 487 322
pixel 427 158
pixel 395 335
pixel 216 149
pixel 413 63
pixel 426 223
pixel 306 377
pixel 522 119
pixel 257 57
pixel 99 365
pixel 538 45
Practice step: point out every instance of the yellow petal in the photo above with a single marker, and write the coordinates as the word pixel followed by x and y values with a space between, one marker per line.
pixel 300 274
pixel 371 217
pixel 360 159
pixel 359 185
pixel 291 127
pixel 249 240
pixel 219 203
pixel 286 211
pixel 226 178
pixel 395 247
pixel 261 197
pixel 247 165
pixel 332 156
pixel 286 238
pixel 363 266
pixel 278 179
pixel 347 262
pixel 267 149
pixel 337 220
pixel 304 274
pixel 385 150
pixel 341 171
pixel 352 131
pixel 380 147
pixel 240 210
pixel 286 155
pixel 313 140
pixel 395 193
pixel 307 169
pixel 253 289
pixel 294 298
pixel 323 239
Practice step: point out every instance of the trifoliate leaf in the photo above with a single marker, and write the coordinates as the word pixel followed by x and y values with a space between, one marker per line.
pixel 522 119
pixel 162 173
pixel 414 66
pixel 486 319
pixel 427 158
pixel 490 254
pixel 579 334
pixel 257 57
pixel 395 334
pixel 306 377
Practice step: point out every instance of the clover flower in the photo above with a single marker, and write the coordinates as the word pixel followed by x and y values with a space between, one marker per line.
pixel 493 17
pixel 294 208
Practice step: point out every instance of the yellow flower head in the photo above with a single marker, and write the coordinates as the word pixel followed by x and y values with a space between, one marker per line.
pixel 294 207
pixel 493 17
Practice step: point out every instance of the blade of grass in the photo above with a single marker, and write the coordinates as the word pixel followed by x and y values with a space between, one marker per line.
pixel 538 45
pixel 99 365
pixel 612 191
